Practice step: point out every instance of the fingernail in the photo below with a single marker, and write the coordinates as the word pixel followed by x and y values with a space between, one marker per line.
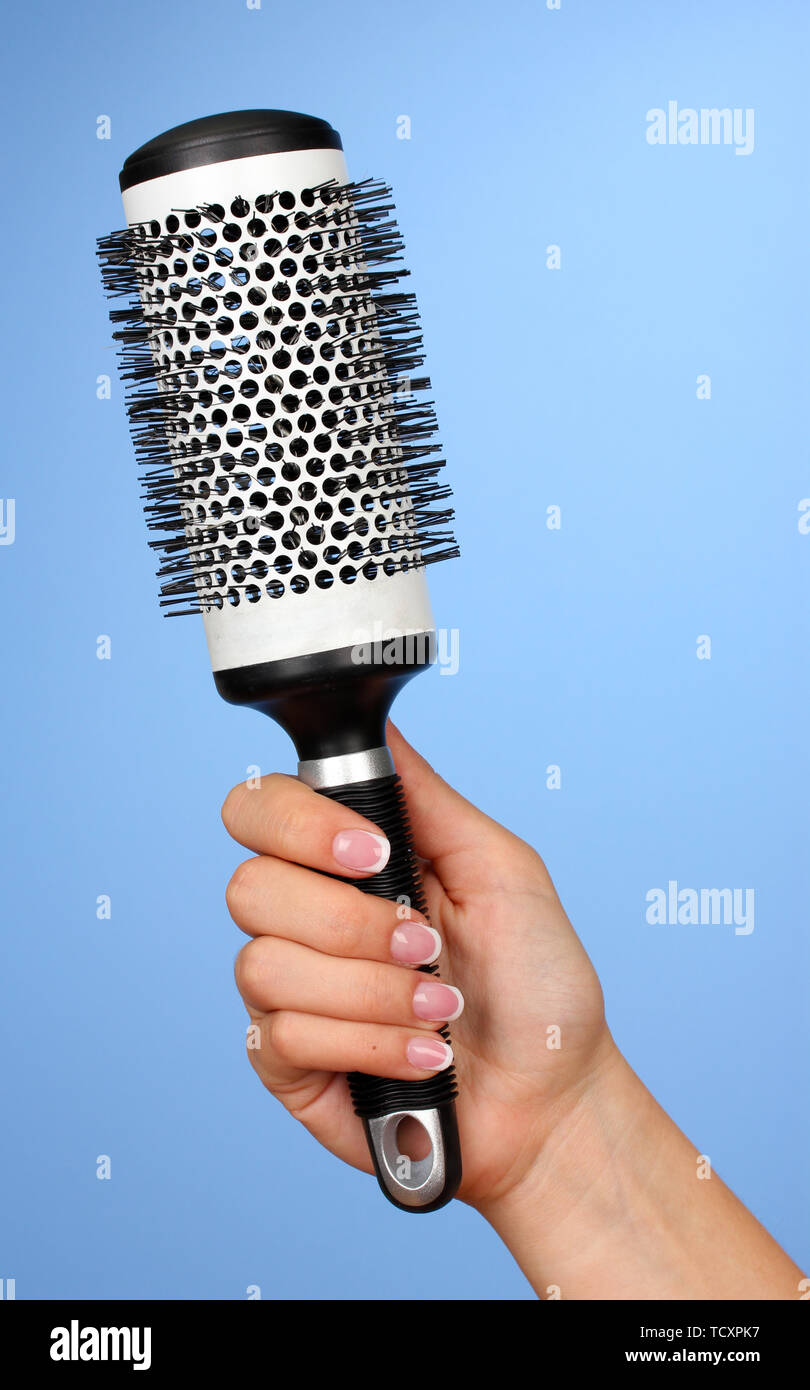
pixel 415 944
pixel 360 849
pixel 429 1054
pixel 437 1002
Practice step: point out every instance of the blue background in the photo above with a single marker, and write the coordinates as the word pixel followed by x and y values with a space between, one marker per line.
pixel 574 387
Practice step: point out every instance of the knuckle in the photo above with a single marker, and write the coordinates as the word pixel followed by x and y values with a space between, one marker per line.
pixel 373 995
pixel 230 807
pixel 281 1034
pixel 290 825
pixel 239 892
pixel 248 968
pixel 347 931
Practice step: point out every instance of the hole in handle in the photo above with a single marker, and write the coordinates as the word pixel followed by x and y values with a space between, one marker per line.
pixel 412 1139
pixel 416 1184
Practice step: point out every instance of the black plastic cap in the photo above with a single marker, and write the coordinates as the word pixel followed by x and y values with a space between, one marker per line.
pixel 234 135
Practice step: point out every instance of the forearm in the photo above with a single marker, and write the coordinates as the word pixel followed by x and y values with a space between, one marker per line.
pixel 614 1208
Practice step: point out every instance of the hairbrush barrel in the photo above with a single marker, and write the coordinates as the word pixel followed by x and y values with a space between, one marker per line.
pixel 291 477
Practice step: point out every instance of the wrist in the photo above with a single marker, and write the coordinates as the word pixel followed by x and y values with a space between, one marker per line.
pixel 563 1207
pixel 613 1207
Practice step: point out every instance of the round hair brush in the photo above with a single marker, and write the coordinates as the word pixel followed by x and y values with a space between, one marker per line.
pixel 290 468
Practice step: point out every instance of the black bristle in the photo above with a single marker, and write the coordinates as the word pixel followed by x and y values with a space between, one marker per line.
pixel 351 247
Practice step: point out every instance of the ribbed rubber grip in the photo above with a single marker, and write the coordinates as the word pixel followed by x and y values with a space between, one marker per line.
pixel 430 1186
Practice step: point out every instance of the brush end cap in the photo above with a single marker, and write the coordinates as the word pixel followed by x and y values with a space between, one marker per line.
pixel 232 135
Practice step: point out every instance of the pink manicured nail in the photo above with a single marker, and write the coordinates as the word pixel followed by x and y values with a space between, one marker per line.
pixel 429 1054
pixel 415 944
pixel 360 849
pixel 435 1001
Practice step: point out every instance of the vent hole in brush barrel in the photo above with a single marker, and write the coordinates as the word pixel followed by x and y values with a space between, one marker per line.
pixel 413 1140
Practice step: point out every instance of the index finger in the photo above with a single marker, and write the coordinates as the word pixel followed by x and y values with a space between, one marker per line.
pixel 280 816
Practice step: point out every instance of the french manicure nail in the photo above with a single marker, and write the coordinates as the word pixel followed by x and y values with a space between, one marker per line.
pixel 413 943
pixel 437 1002
pixel 429 1054
pixel 361 849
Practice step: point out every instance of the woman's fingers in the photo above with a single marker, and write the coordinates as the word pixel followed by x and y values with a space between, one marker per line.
pixel 269 897
pixel 307 1042
pixel 283 817
pixel 273 974
pixel 322 977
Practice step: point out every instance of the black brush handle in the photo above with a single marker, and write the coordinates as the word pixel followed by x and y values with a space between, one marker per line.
pixel 416 1184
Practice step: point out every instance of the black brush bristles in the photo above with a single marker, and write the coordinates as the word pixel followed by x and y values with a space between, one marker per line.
pixel 268 357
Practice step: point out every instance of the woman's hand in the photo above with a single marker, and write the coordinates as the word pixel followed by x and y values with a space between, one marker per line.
pixel 590 1184
pixel 324 982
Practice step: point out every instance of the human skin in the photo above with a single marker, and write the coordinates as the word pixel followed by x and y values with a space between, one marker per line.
pixel 589 1183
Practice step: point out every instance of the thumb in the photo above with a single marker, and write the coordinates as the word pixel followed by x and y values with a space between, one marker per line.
pixel 464 845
